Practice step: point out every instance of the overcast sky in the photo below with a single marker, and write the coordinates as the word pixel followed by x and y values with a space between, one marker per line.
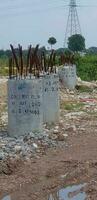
pixel 34 21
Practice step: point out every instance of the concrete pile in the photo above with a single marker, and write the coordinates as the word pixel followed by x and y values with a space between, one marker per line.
pixel 33 92
pixel 67 75
pixel 67 71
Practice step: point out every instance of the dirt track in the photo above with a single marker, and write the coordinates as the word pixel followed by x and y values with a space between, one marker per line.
pixel 77 163
pixel 72 164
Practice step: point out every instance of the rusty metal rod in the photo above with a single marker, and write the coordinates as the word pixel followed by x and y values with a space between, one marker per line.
pixel 10 68
pixel 21 60
pixel 28 60
pixel 15 57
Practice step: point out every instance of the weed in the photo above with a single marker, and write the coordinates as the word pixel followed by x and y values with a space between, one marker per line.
pixel 73 106
pixel 83 88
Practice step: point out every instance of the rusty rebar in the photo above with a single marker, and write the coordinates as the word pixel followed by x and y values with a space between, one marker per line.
pixel 15 57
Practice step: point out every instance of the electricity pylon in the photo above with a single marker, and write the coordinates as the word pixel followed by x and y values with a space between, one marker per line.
pixel 73 25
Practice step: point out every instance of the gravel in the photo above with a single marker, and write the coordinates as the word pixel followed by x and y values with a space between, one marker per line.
pixel 25 146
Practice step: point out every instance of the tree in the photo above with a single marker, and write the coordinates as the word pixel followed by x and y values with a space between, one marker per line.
pixel 76 43
pixel 60 51
pixel 42 49
pixel 92 50
pixel 52 41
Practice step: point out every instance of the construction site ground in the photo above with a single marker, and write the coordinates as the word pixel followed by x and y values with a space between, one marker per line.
pixel 72 162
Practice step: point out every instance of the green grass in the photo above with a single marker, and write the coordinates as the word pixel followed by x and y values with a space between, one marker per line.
pixel 4 66
pixel 73 106
pixel 83 88
pixel 4 71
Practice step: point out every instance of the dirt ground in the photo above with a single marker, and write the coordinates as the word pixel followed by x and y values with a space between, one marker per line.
pixel 72 164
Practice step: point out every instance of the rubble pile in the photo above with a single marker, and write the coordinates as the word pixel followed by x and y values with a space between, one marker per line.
pixel 30 144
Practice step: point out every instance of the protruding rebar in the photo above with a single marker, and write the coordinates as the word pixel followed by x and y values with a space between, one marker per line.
pixel 36 63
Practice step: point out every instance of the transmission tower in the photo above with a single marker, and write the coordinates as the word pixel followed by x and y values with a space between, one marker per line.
pixel 73 25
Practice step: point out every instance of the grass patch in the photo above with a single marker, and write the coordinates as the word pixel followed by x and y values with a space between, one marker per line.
pixel 73 106
pixel 82 88
pixel 4 71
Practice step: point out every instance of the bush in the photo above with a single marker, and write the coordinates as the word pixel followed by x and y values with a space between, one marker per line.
pixel 87 67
